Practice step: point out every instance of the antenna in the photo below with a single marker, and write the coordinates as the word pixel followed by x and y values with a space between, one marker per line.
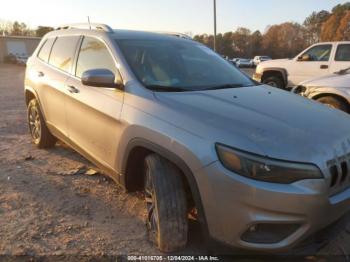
pixel 89 22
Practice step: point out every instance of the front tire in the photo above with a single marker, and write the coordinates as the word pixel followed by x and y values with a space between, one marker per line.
pixel 334 102
pixel 274 81
pixel 40 134
pixel 165 197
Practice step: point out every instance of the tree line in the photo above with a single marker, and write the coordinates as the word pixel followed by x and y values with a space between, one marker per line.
pixel 286 39
pixel 21 29
pixel 278 41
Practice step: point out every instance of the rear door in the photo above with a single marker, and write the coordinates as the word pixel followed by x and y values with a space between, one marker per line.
pixel 56 56
pixel 318 65
pixel 93 113
pixel 341 58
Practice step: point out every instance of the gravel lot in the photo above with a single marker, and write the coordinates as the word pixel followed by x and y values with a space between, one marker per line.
pixel 47 209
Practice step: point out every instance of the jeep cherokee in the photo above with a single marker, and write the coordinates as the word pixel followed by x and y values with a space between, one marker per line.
pixel 168 116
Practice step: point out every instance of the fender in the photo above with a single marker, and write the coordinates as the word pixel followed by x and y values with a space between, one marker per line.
pixel 140 142
pixel 32 91
pixel 329 91
pixel 278 69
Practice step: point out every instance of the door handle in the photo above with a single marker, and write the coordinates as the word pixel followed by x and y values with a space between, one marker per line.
pixel 324 66
pixel 40 74
pixel 73 89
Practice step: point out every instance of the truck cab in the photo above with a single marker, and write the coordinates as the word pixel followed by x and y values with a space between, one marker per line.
pixel 317 60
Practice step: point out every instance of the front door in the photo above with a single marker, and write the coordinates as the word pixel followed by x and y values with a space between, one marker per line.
pixel 317 65
pixel 93 113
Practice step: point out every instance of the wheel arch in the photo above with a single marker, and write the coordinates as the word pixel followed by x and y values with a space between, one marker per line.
pixel 131 178
pixel 30 94
pixel 271 71
pixel 335 95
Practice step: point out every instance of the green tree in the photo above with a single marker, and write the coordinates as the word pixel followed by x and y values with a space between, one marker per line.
pixel 340 8
pixel 241 41
pixel 20 29
pixel 313 26
pixel 43 30
pixel 256 42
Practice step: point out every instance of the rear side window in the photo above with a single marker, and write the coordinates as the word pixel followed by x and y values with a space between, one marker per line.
pixel 63 51
pixel 45 50
pixel 94 55
pixel 343 53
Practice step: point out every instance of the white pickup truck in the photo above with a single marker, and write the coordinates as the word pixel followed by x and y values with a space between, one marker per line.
pixel 318 60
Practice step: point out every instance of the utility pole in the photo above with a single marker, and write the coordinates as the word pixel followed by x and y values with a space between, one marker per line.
pixel 214 25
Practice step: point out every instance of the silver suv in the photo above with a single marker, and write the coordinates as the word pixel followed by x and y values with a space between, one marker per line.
pixel 259 168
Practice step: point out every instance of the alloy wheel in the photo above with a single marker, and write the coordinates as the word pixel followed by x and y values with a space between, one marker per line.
pixel 152 211
pixel 34 124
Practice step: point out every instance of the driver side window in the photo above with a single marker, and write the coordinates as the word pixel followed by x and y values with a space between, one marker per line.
pixel 94 55
pixel 319 53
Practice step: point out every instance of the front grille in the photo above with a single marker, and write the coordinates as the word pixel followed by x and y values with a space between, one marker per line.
pixel 339 169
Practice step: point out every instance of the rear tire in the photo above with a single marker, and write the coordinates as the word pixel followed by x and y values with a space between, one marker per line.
pixel 40 134
pixel 165 196
pixel 334 102
pixel 274 81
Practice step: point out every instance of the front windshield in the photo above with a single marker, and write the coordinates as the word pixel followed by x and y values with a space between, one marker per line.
pixel 180 65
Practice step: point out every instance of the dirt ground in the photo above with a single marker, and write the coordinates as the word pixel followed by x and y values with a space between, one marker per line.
pixel 48 209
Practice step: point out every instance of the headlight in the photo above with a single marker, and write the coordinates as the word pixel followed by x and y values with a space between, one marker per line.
pixel 265 169
pixel 300 90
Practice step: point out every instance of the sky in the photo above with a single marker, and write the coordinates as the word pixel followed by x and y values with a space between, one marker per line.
pixel 194 16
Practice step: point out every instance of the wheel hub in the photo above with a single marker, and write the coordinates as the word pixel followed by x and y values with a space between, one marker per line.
pixel 34 123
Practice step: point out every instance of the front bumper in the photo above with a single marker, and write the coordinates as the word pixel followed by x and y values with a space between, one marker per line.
pixel 233 205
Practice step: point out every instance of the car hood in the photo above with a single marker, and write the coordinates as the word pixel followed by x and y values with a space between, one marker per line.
pixel 274 63
pixel 333 80
pixel 261 120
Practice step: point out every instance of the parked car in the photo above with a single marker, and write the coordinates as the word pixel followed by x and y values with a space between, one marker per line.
pixel 20 59
pixel 244 62
pixel 234 61
pixel 258 59
pixel 318 60
pixel 170 117
pixel 332 90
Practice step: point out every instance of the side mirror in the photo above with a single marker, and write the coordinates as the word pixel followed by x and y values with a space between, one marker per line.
pixel 304 58
pixel 100 78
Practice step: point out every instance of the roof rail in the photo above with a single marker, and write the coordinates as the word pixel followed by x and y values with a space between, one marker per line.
pixel 102 27
pixel 181 35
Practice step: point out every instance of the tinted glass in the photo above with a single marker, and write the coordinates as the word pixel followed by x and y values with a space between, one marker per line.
pixel 319 53
pixel 63 50
pixel 343 53
pixel 179 64
pixel 45 50
pixel 94 55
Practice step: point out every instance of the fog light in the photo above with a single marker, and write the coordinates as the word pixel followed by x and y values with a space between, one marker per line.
pixel 268 233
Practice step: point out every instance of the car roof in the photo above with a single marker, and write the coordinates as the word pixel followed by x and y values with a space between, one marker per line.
pixel 133 34
pixel 119 34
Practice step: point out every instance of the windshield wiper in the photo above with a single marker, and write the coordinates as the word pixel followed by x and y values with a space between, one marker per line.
pixel 161 88
pixel 226 86
pixel 343 71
